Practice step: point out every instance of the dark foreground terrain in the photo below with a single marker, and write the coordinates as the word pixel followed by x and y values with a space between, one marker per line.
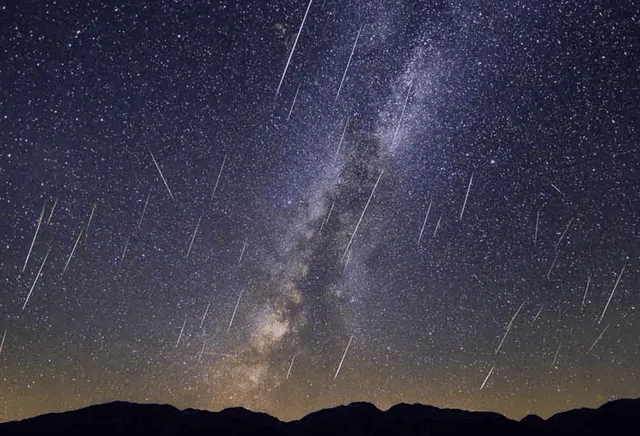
pixel 121 419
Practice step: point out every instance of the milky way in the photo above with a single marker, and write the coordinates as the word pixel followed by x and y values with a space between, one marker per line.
pixel 218 205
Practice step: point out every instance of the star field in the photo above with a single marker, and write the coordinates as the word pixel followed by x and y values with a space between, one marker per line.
pixel 291 205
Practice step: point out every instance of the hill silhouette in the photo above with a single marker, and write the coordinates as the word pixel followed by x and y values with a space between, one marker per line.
pixel 123 419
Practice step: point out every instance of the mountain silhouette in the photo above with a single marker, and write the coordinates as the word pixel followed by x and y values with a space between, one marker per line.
pixel 357 419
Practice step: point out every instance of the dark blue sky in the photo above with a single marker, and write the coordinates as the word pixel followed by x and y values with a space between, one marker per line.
pixel 525 114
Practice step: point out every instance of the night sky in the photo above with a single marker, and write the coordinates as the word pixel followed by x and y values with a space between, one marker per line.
pixel 439 202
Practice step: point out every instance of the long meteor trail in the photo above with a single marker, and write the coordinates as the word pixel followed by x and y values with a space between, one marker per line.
pixel 509 327
pixel 181 331
pixel 611 295
pixel 361 216
pixel 35 235
pixel 586 289
pixel 234 312
pixel 295 42
pixel 353 49
pixel 124 251
pixel 487 377
pixel 555 358
pixel 244 247
pixel 537 314
pixel 437 226
pixel 144 209
pixel 193 237
pixel 326 220
pixel 36 280
pixel 290 366
pixel 343 356
pixel 2 343
pixel 596 341
pixel 161 176
pixel 404 106
pixel 295 97
pixel 466 197
pixel 53 209
pixel 202 350
pixel 205 315
pixel 93 211
pixel 218 179
pixel 73 250
pixel 341 139
pixel 563 234
pixel 424 223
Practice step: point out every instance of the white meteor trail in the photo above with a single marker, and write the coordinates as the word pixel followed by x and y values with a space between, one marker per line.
pixel 93 211
pixel 36 280
pixel 466 197
pixel 424 223
pixel 124 252
pixel 586 289
pixel 555 358
pixel 509 327
pixel 562 236
pixel 437 226
pixel 2 343
pixel 73 250
pixel 295 97
pixel 611 296
pixel 404 106
pixel 234 312
pixel 537 314
pixel 353 49
pixel 326 220
pixel 487 377
pixel 244 247
pixel 341 139
pixel 551 267
pixel 181 331
pixel 535 233
pixel 202 350
pixel 596 341
pixel 346 262
pixel 53 209
pixel 290 366
pixel 161 175
pixel 35 235
pixel 295 42
pixel 224 160
pixel 361 216
pixel 556 188
pixel 205 315
pixel 343 356
pixel 193 237
pixel 144 209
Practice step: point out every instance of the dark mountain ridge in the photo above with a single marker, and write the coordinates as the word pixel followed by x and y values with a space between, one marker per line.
pixel 122 419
